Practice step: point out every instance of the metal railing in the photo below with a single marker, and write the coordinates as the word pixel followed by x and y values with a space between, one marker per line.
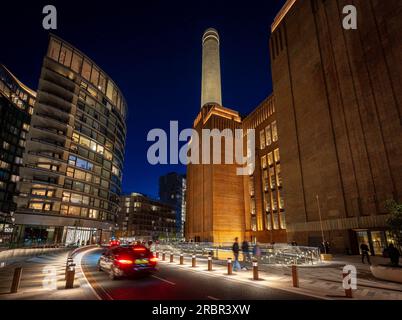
pixel 282 254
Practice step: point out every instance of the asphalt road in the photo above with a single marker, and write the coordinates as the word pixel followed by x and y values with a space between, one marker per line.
pixel 172 283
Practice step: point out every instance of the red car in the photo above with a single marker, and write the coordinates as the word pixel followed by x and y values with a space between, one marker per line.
pixel 114 243
pixel 127 261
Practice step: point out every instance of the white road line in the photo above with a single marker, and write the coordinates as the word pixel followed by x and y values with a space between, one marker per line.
pixel 161 279
pixel 212 298
pixel 80 256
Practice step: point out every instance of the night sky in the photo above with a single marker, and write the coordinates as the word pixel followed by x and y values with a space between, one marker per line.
pixel 152 50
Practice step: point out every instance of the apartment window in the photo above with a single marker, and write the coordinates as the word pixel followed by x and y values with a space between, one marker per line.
pixel 272 177
pixel 274 132
pixel 86 70
pixel 54 49
pixel 264 162
pixel 283 220
pixel 251 185
pixel 275 218
pixel 270 159
pixel 74 211
pixel 95 76
pixel 252 205
pixel 267 202
pixel 274 202
pixel 76 63
pixel 262 139
pixel 268 135
pixel 93 214
pixel 278 175
pixel 254 223
pixel 276 155
pixel 265 180
pixel 269 222
pixel 281 201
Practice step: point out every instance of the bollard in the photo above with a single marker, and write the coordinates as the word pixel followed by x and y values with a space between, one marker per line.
pixel 157 255
pixel 209 263
pixel 348 292
pixel 255 270
pixel 16 280
pixel 193 261
pixel 163 256
pixel 181 258
pixel 70 275
pixel 171 257
pixel 229 266
pixel 295 276
pixel 69 262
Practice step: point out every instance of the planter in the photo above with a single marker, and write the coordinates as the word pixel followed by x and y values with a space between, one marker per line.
pixel 388 273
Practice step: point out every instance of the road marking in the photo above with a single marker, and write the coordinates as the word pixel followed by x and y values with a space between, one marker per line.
pixel 81 255
pixel 212 298
pixel 167 281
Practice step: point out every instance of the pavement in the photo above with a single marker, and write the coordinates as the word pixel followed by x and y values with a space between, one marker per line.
pixel 43 279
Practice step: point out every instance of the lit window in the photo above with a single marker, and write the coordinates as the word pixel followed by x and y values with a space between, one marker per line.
pixel 277 156
pixel 283 220
pixel 270 159
pixel 269 222
pixel 262 139
pixel 274 132
pixel 268 135
pixel 86 70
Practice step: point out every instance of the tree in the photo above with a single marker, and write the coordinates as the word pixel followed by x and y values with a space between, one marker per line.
pixel 394 222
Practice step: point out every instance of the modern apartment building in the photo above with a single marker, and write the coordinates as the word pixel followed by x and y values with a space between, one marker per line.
pixel 172 190
pixel 16 107
pixel 143 218
pixel 71 179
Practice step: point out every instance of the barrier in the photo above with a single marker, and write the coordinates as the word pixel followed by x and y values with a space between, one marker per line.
pixel 16 280
pixel 210 263
pixel 230 269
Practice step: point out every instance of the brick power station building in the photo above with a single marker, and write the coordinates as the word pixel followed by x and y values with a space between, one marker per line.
pixel 328 141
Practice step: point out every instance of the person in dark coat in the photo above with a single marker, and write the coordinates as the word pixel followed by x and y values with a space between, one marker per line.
pixel 394 255
pixel 365 252
pixel 236 250
pixel 245 248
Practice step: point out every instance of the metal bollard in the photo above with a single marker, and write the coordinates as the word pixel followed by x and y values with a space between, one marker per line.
pixel 255 270
pixel 193 261
pixel 171 257
pixel 163 256
pixel 181 258
pixel 230 266
pixel 70 276
pixel 69 262
pixel 295 276
pixel 348 292
pixel 16 280
pixel 209 263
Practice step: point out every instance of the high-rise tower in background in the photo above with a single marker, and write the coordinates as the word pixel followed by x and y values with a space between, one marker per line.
pixel 211 91
pixel 172 190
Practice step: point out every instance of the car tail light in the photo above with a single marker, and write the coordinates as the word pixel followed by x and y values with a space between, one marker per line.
pixel 153 260
pixel 140 249
pixel 125 261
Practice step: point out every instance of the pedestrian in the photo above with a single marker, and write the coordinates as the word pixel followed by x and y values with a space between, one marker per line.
pixel 394 255
pixel 245 248
pixel 326 247
pixel 236 249
pixel 365 252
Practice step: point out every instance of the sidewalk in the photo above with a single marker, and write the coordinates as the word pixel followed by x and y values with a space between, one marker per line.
pixel 322 281
pixel 43 278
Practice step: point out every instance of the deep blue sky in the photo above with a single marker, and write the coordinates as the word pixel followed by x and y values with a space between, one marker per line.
pixel 152 50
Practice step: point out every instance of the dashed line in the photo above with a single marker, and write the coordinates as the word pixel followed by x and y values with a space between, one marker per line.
pixel 164 280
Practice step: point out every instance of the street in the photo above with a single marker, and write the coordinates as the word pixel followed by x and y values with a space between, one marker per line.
pixel 173 283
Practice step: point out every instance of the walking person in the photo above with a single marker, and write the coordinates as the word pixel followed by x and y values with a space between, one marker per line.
pixel 365 252
pixel 257 252
pixel 245 248
pixel 236 250
pixel 394 255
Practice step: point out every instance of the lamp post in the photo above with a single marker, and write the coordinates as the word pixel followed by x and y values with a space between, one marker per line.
pixel 322 229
